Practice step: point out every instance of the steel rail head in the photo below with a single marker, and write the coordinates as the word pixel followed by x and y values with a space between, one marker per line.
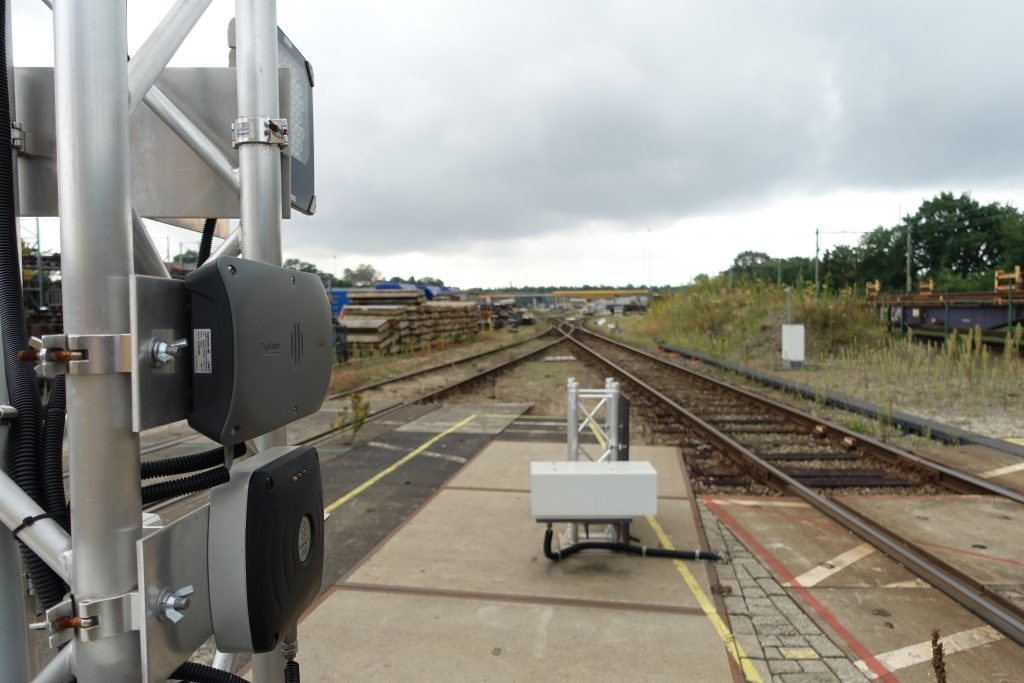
pixel 1000 614
pixel 937 472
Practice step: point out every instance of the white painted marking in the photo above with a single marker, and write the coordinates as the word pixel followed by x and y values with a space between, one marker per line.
pixel 761 502
pixel 913 583
pixel 429 454
pixel 815 575
pixel 920 653
pixel 1002 471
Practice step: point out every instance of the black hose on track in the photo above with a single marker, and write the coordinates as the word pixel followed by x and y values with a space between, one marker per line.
pixel 642 550
pixel 25 434
pixel 291 672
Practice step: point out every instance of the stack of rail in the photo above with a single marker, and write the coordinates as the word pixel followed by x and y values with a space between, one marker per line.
pixel 396 321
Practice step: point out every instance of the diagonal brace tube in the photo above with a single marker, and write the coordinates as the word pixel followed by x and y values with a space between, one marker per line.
pixel 150 60
pixel 45 537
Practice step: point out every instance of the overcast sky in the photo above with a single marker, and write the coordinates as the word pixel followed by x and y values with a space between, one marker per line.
pixel 489 143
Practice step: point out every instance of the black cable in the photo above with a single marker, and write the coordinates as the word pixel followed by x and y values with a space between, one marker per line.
pixel 206 241
pixel 200 673
pixel 184 464
pixel 291 672
pixel 25 434
pixel 556 555
pixel 173 488
pixel 53 454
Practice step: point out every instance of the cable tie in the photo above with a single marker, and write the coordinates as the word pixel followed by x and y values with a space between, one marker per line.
pixel 29 521
pixel 643 551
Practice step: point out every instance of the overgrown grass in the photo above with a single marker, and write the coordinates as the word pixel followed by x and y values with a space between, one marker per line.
pixel 962 381
pixel 742 322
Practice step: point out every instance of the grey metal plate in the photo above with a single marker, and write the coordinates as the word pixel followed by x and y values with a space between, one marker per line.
pixel 158 311
pixel 168 180
pixel 169 559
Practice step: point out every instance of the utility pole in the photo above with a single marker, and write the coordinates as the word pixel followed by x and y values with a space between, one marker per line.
pixel 909 247
pixel 817 279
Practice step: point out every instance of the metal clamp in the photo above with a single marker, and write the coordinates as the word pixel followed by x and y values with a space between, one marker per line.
pixel 80 354
pixel 17 136
pixel 59 624
pixel 259 129
pixel 107 617
pixel 8 413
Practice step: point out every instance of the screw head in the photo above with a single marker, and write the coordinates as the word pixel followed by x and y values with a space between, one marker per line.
pixel 232 270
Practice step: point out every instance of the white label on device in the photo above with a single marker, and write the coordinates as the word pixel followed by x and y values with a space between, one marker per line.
pixel 202 351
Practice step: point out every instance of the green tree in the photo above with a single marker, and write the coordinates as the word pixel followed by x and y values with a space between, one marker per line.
pixel 363 275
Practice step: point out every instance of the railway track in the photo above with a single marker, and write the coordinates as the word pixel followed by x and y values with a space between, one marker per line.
pixel 770 445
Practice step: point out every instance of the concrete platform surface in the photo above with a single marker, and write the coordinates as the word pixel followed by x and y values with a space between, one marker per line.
pixel 368 636
pixel 462 591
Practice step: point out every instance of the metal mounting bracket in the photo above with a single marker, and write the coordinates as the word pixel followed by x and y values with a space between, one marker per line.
pixel 105 617
pixel 17 136
pixel 259 129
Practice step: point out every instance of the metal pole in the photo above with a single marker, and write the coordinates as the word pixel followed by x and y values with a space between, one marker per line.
pixel 259 167
pixel 60 669
pixel 817 280
pixel 46 538
pixel 16 605
pixel 90 44
pixel 149 61
pixel 231 246
pixel 572 432
pixel 909 243
pixel 612 418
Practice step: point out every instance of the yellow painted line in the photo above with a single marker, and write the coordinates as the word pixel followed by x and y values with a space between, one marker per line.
pixel 798 653
pixel 394 466
pixel 1019 440
pixel 733 647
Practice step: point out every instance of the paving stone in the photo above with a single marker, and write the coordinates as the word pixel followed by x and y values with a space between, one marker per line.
pixel 762 669
pixel 761 606
pixel 804 625
pixel 754 568
pixel 770 586
pixel 753 592
pixel 814 666
pixel 845 670
pixel 824 646
pixel 793 641
pixel 772 653
pixel 770 640
pixel 774 626
pixel 807 678
pixel 798 653
pixel 786 605
pixel 751 646
pixel 782 666
pixel 735 605
pixel 742 626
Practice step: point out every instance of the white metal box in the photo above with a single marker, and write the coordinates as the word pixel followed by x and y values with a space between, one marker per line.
pixel 593 491
pixel 793 343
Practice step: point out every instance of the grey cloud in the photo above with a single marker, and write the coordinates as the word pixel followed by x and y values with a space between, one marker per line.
pixel 450 123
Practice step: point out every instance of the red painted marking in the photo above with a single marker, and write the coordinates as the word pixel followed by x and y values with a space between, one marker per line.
pixel 790 580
